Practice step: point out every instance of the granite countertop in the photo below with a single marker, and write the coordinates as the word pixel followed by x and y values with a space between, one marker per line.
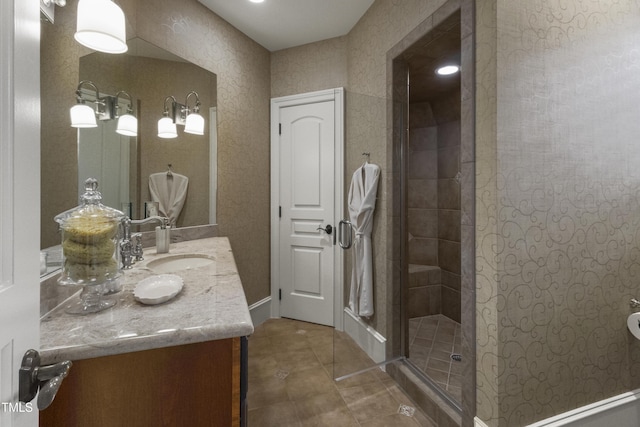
pixel 211 306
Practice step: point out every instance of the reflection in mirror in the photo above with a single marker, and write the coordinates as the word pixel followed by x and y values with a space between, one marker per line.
pixel 111 158
pixel 122 164
pixel 151 74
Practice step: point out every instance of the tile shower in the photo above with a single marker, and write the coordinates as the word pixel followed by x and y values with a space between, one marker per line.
pixel 433 220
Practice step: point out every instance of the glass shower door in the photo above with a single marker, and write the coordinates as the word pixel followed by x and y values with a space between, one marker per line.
pixel 359 347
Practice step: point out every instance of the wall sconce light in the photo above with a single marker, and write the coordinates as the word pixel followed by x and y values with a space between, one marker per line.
pixel 127 123
pixel 83 116
pixel 166 126
pixel 181 114
pixel 101 26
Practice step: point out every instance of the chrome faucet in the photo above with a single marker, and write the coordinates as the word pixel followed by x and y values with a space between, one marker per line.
pixel 131 245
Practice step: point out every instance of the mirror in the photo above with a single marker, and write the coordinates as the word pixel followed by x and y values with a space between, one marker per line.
pixel 149 74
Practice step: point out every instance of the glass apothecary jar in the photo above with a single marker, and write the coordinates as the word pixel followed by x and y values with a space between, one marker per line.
pixel 91 257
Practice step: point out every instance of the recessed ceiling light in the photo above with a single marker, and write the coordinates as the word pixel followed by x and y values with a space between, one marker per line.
pixel 448 70
pixel 256 1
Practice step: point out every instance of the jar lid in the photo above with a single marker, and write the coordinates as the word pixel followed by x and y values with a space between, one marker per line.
pixel 91 214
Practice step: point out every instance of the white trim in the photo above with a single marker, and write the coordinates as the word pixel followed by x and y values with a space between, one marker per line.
pixel 213 164
pixel 621 410
pixel 477 422
pixel 365 336
pixel 19 197
pixel 260 311
pixel 337 95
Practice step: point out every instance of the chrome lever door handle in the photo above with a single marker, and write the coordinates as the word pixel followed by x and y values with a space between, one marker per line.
pixel 47 379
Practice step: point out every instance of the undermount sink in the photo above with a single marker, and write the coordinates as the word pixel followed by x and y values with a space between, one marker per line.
pixel 173 263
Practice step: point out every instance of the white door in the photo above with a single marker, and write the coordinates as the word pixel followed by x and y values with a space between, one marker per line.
pixel 307 165
pixel 19 201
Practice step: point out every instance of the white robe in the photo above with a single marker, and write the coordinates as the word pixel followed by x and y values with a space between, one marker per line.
pixel 170 191
pixel 362 203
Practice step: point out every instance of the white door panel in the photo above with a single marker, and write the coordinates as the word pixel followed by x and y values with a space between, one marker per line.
pixel 307 180
pixel 19 201
pixel 307 202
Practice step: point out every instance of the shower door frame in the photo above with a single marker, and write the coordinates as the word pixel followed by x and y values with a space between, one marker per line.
pixel 398 276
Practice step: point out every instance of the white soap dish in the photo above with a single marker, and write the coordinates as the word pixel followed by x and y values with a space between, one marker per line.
pixel 158 289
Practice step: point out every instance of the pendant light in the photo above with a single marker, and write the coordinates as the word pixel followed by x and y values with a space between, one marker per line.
pixel 101 26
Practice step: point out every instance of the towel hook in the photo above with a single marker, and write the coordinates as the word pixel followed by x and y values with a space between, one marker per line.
pixel 169 171
pixel 367 155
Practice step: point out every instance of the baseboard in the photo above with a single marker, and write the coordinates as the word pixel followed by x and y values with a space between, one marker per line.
pixel 365 336
pixel 621 411
pixel 260 311
pixel 477 422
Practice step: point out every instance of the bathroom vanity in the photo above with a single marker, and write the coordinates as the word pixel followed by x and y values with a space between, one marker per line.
pixel 181 362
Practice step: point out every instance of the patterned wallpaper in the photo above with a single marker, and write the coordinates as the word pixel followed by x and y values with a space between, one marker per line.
pixel 242 68
pixel 558 207
pixel 311 67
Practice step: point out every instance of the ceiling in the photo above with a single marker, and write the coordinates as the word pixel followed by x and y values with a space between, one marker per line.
pixel 281 24
pixel 441 46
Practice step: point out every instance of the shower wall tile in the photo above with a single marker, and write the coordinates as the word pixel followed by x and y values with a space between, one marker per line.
pixel 448 161
pixel 451 280
pixel 450 303
pixel 447 108
pixel 424 301
pixel 423 165
pixel 449 134
pixel 449 256
pixel 467 259
pixel 423 251
pixel 467 193
pixel 448 194
pixel 423 138
pixel 421 116
pixel 423 193
pixel 449 225
pixel 423 222
pixel 423 276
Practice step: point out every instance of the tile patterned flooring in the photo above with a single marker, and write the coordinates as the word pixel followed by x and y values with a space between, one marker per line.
pixel 291 371
pixel 432 340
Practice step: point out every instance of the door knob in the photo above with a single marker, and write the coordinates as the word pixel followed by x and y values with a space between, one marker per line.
pixel 328 229
pixel 47 379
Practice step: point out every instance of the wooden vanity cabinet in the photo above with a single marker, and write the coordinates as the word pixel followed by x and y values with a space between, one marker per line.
pixel 187 385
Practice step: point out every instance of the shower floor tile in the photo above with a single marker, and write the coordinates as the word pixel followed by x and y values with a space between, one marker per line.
pixel 432 341
pixel 291 370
